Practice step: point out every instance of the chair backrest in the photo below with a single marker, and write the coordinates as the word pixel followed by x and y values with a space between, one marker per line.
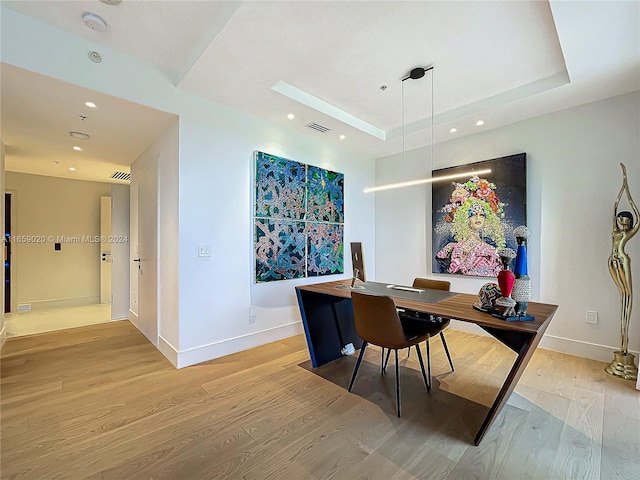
pixel 432 284
pixel 376 320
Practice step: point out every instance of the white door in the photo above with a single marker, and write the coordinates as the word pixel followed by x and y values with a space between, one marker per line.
pixel 105 250
pixel 147 253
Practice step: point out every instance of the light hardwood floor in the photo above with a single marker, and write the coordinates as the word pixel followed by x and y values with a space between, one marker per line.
pixel 100 402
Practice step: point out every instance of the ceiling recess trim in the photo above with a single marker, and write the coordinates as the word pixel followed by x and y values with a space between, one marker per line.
pixel 321 106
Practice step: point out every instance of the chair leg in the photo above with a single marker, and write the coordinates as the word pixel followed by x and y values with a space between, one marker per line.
pixel 446 349
pixel 428 361
pixel 355 370
pixel 397 384
pixel 382 365
pixel 408 352
pixel 427 383
pixel 386 360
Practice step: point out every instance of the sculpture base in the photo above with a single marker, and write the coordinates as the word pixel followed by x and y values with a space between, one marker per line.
pixel 623 366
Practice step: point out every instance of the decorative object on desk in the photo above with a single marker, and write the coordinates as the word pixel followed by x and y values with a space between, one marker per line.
pixel 470 218
pixel 488 295
pixel 624 228
pixel 298 220
pixel 506 280
pixel 522 289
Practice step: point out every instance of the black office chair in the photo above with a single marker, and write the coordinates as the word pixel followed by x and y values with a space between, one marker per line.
pixel 377 322
pixel 434 325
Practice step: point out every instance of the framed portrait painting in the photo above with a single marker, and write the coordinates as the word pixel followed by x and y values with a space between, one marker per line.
pixel 474 217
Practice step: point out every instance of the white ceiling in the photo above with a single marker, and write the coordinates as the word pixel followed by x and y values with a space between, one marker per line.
pixel 500 62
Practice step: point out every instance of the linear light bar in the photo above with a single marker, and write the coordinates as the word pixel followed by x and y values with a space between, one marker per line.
pixel 421 181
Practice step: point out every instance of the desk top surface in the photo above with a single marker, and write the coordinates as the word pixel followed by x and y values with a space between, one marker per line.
pixel 425 295
pixel 453 305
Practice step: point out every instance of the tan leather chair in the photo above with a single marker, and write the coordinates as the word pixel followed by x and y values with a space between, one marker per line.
pixel 377 322
pixel 434 325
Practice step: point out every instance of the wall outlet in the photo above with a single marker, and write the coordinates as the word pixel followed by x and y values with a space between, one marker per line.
pixel 24 307
pixel 252 314
pixel 592 317
pixel 204 250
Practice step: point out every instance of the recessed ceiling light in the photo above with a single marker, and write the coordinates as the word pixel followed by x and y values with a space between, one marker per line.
pixel 76 148
pixel 94 22
pixel 291 116
pixel 342 137
pixel 90 104
pixel 80 135
pixel 480 122
pixel 112 2
pixel 453 130
pixel 72 169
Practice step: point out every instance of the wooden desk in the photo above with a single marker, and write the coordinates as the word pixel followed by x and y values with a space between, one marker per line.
pixel 327 317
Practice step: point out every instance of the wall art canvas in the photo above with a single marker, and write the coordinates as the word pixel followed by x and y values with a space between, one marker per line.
pixel 325 194
pixel 298 220
pixel 279 249
pixel 473 217
pixel 325 247
pixel 280 187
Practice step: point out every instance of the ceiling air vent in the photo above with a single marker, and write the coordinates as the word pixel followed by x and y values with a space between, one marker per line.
pixel 121 176
pixel 315 126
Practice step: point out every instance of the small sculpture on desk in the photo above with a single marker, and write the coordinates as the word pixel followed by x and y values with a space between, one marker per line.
pixel 506 280
pixel 522 289
pixel 488 295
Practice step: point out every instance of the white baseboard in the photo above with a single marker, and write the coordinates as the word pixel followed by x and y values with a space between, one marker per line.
pixel 64 302
pixel 204 353
pixel 602 353
pixel 168 350
pixel 133 318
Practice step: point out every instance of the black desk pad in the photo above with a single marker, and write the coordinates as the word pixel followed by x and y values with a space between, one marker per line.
pixel 400 291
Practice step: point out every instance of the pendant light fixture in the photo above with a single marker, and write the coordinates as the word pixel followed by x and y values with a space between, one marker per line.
pixel 415 74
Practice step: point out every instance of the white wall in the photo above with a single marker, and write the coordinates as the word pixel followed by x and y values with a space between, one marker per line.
pixel 49 210
pixel 204 195
pixel 216 155
pixel 573 178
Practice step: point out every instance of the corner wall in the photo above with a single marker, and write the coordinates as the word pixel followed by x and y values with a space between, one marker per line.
pixel 573 178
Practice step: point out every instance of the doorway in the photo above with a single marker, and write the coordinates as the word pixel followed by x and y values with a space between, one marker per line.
pixel 7 253
pixel 147 251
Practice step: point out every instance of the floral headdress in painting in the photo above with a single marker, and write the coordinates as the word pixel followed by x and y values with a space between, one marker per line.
pixel 475 187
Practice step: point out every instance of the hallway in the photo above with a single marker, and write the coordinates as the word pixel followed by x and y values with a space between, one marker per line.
pixel 58 318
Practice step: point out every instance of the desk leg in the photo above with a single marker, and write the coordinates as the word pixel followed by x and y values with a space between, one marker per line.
pixel 524 344
pixel 328 325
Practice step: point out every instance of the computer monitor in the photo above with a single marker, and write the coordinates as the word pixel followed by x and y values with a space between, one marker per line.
pixel 357 261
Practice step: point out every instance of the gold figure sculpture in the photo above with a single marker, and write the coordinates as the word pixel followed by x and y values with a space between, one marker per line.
pixel 623 364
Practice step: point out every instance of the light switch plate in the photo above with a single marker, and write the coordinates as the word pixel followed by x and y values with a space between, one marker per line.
pixel 204 250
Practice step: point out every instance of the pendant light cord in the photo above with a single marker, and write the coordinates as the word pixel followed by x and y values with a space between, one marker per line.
pixel 402 119
pixel 432 123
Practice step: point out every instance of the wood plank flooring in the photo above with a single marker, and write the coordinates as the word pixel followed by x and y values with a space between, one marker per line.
pixel 100 403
